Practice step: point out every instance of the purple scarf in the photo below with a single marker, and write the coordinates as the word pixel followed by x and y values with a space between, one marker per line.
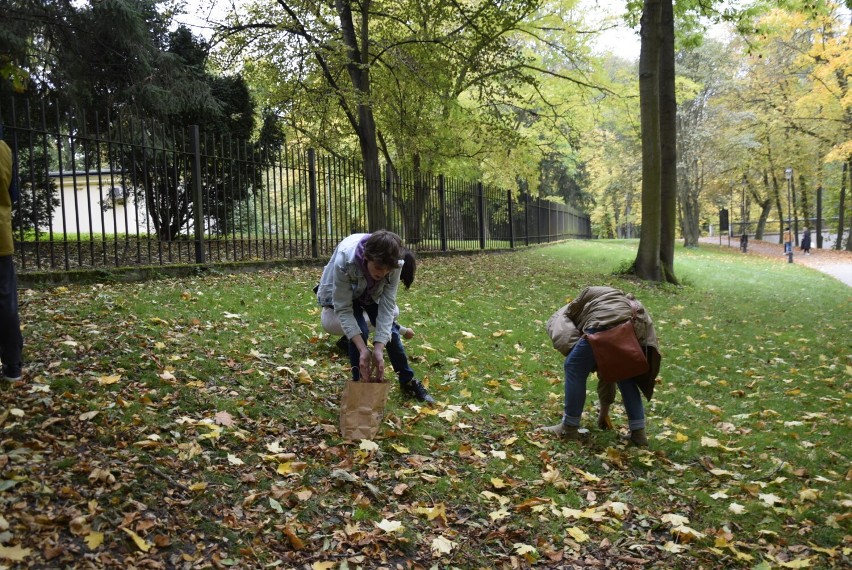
pixel 367 296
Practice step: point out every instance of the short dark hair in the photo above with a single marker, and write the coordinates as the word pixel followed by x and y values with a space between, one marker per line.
pixel 383 248
pixel 408 268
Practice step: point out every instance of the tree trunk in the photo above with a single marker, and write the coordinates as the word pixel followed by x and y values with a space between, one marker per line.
pixel 668 143
pixel 358 66
pixel 647 263
pixel 765 208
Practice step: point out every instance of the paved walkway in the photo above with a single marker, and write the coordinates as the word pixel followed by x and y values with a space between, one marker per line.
pixel 838 264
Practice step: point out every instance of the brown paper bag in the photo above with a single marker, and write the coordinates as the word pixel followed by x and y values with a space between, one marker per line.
pixel 362 407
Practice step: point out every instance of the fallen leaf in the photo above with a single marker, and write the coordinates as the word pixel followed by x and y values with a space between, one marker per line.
pixel 14 553
pixel 442 546
pixel 234 460
pixel 94 539
pixel 106 380
pixel 578 534
pixel 223 418
pixel 390 526
pixel 141 543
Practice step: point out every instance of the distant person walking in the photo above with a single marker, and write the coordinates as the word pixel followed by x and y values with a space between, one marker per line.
pixel 806 241
pixel 11 340
pixel 788 240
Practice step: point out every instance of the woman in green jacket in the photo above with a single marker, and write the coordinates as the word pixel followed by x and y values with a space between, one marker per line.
pixel 11 341
pixel 597 309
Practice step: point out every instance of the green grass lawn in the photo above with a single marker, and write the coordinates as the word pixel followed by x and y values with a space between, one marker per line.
pixel 192 423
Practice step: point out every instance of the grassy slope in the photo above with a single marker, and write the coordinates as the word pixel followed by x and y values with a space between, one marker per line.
pixel 752 411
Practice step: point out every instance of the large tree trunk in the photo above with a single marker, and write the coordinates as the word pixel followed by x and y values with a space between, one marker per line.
pixel 358 66
pixel 668 143
pixel 647 263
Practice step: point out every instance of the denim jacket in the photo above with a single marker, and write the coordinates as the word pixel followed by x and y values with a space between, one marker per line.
pixel 343 282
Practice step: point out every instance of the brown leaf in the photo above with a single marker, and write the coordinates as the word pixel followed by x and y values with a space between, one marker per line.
pixel 295 541
pixel 223 418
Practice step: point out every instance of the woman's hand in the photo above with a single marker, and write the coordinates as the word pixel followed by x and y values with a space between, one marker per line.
pixel 364 364
pixel 379 362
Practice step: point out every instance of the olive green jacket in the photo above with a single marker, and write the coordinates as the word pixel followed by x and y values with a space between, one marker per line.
pixel 604 307
pixel 7 246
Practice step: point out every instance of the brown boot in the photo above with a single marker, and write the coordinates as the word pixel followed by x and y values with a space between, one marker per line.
pixel 566 432
pixel 638 438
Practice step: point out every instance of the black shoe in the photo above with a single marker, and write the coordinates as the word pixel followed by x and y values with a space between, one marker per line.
pixel 12 373
pixel 342 345
pixel 415 389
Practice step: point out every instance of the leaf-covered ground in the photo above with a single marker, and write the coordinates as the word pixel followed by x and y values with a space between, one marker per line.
pixel 192 424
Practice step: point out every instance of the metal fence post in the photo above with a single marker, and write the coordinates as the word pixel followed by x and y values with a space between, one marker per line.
pixel 526 198
pixel 312 190
pixel 480 195
pixel 442 211
pixel 196 193
pixel 819 218
pixel 511 219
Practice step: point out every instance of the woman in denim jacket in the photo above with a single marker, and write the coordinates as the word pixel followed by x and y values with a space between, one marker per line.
pixel 361 277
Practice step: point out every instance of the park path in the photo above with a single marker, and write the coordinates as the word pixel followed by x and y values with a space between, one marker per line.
pixel 837 264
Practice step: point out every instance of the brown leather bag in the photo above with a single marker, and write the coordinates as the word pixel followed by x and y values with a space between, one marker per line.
pixel 618 354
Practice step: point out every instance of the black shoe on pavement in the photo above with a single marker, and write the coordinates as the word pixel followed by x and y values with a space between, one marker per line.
pixel 415 389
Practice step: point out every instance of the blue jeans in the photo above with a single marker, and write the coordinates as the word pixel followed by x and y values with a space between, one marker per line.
pixel 394 348
pixel 578 364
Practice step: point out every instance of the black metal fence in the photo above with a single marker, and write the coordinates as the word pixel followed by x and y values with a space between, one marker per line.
pixel 101 192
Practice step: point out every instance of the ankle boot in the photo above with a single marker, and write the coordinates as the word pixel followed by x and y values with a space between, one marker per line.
pixel 638 438
pixel 566 432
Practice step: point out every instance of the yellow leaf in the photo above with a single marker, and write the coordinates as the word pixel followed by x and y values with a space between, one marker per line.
pixel 141 543
pixel 438 511
pixel 459 345
pixel 442 545
pixel 674 548
pixel 390 526
pixel 808 495
pixel 674 520
pixel 578 534
pixel 686 534
pixel 200 486
pixel 497 483
pixel 680 438
pixel 14 553
pixel 798 563
pixel 716 410
pixel 323 565
pixel 94 539
pixel 709 442
pixel 498 514
pixel 106 380
pixel 400 448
